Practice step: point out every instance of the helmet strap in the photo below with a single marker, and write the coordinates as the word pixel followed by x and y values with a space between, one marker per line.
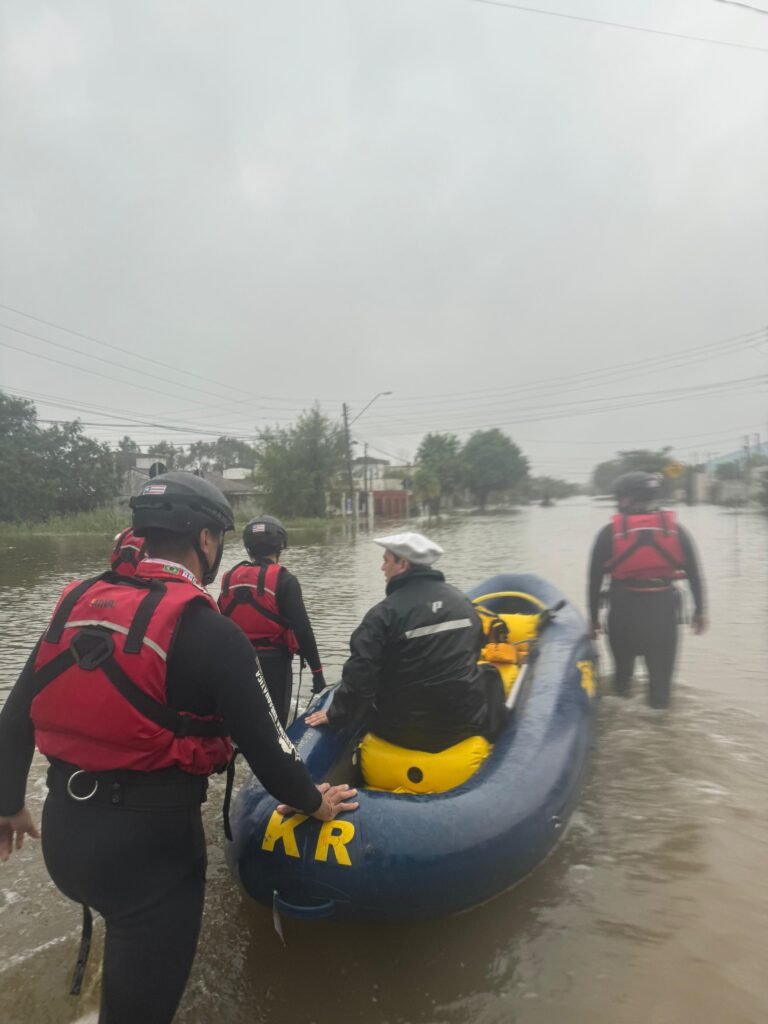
pixel 209 570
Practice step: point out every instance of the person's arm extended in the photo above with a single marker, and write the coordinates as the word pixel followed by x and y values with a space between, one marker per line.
pixel 292 609
pixel 601 553
pixel 17 745
pixel 17 741
pixel 361 673
pixel 213 668
pixel 245 705
pixel 693 574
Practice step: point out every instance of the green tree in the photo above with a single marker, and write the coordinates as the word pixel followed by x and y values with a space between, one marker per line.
pixel 493 464
pixel 127 446
pixel 221 454
pixel 49 472
pixel 643 459
pixel 439 470
pixel 24 493
pixel 80 472
pixel 762 496
pixel 171 456
pixel 551 487
pixel 297 464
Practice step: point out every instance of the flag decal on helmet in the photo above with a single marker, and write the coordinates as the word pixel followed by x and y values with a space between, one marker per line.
pixel 154 489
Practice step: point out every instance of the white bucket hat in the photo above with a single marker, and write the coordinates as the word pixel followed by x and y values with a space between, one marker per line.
pixel 414 546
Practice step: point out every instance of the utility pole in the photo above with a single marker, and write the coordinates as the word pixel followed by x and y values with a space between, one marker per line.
pixel 365 475
pixel 350 478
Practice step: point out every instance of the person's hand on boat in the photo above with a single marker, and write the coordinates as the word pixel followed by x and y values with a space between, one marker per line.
pixel 15 828
pixel 336 799
pixel 317 718
pixel 699 623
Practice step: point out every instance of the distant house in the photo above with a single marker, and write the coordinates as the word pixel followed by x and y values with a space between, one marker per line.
pixel 134 471
pixel 237 483
pixel 241 491
pixel 388 485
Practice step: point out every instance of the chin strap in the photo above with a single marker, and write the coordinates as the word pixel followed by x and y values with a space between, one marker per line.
pixel 209 571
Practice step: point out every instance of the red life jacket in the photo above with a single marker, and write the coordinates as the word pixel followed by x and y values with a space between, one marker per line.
pixel 127 552
pixel 101 677
pixel 248 597
pixel 646 546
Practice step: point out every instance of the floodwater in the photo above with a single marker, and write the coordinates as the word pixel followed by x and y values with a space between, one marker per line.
pixel 654 907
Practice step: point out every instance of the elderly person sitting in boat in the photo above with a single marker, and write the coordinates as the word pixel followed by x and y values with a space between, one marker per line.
pixel 413 667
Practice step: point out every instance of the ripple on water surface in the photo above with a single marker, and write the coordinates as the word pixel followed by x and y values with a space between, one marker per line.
pixel 652 908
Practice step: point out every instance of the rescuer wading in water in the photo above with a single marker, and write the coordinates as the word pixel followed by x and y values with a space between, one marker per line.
pixel 644 550
pixel 132 693
pixel 264 599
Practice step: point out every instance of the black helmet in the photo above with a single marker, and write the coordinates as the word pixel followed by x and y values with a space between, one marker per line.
pixel 185 504
pixel 264 535
pixel 637 486
pixel 180 503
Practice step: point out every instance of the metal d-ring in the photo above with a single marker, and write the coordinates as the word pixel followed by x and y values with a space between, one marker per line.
pixel 74 796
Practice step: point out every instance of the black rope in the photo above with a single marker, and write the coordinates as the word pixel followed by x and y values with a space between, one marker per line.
pixel 85 948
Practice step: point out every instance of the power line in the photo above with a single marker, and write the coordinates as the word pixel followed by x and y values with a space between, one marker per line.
pixel 116 380
pixel 119 348
pixel 608 401
pixel 617 403
pixel 111 362
pixel 596 376
pixel 748 7
pixel 136 355
pixel 621 25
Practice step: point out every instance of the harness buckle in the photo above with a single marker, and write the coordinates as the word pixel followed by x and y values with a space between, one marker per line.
pixel 74 795
pixel 95 654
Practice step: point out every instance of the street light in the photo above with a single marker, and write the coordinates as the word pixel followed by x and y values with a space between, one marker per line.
pixel 365 408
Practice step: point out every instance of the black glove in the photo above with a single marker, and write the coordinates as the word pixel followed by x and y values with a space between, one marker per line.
pixel 318 681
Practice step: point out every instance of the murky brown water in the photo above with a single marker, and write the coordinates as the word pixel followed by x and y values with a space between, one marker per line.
pixel 653 909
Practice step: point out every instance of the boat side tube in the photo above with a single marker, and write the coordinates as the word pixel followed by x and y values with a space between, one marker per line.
pixel 405 857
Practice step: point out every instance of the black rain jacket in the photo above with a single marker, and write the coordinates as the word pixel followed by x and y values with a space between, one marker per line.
pixel 413 667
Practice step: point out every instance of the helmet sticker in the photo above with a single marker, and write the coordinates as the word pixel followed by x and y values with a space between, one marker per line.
pixel 259 528
pixel 154 489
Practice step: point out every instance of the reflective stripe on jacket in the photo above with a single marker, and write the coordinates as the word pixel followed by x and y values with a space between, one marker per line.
pixel 249 597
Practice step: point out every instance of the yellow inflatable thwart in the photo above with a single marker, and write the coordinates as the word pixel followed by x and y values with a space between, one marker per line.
pixel 400 770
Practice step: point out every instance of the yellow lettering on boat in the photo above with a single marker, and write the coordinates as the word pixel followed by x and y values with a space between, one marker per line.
pixel 335 834
pixel 587 669
pixel 282 830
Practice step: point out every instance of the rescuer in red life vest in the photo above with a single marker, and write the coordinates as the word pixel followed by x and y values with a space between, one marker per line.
pixel 264 599
pixel 644 550
pixel 132 694
pixel 127 552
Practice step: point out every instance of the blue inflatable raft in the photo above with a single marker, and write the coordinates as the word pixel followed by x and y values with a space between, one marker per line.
pixel 406 857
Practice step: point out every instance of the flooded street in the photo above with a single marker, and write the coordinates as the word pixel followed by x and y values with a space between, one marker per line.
pixel 654 908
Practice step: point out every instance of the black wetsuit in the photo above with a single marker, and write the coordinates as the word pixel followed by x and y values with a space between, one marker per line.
pixel 141 863
pixel 277 662
pixel 413 668
pixel 643 617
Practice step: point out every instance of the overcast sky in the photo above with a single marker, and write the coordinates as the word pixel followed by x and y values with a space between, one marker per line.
pixel 489 212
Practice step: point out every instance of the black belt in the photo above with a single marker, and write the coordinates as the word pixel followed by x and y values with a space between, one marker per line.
pixel 104 788
pixel 652 584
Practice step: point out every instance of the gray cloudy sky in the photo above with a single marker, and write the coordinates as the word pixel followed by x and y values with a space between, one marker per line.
pixel 488 212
